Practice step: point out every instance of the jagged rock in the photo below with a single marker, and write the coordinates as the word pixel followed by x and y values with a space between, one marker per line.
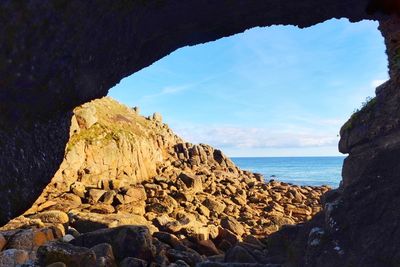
pixel 127 241
pixel 95 195
pixel 192 183
pixel 214 205
pixel 65 253
pixel 232 225
pixel 157 117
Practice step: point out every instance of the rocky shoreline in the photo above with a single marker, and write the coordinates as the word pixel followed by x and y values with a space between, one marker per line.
pixel 153 200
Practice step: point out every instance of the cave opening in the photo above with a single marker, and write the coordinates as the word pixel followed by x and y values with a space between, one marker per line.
pixel 271 92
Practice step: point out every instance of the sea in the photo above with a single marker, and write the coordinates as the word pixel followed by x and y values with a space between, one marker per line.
pixel 313 171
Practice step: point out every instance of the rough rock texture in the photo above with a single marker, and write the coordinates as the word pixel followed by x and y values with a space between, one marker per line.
pixel 57 55
pixel 161 201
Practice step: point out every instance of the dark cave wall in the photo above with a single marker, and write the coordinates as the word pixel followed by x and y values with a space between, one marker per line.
pixel 55 55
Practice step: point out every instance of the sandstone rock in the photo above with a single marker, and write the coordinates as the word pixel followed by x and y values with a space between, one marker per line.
pixel 87 222
pixel 214 205
pixel 78 189
pixel 95 195
pixel 13 257
pixel 30 239
pixel 193 183
pixel 52 216
pixel 67 253
pixel 102 208
pixel 108 197
pixel 136 194
pixel 232 225
pixel 127 241
pixel 86 116
pixel 157 117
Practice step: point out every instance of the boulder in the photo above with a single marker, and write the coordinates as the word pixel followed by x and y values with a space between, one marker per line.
pixel 232 225
pixel 127 241
pixel 13 257
pixel 240 255
pixel 192 182
pixel 52 216
pixel 67 253
pixel 104 255
pixel 214 205
pixel 95 195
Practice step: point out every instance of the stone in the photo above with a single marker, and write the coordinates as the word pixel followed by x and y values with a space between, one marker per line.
pixel 30 239
pixel 192 182
pixel 104 255
pixel 133 262
pixel 95 195
pixel 66 253
pixel 88 222
pixel 240 255
pixel 86 116
pixel 189 256
pixel 13 257
pixel 127 241
pixel 78 189
pixel 232 225
pixel 108 197
pixel 3 242
pixel 68 238
pixel 157 117
pixel 52 216
pixel 136 194
pixel 214 205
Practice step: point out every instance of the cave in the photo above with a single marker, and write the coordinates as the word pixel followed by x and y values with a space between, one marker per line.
pixel 57 55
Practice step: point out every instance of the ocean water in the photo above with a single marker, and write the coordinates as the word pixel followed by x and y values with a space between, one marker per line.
pixel 312 171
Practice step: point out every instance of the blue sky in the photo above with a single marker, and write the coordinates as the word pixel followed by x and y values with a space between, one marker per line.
pixel 276 91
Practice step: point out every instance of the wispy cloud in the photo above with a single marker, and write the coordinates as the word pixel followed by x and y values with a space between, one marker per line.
pixel 256 138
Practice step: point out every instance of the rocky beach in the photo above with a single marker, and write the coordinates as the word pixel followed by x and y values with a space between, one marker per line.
pixel 131 193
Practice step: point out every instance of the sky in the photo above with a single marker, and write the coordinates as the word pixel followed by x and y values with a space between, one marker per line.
pixel 267 92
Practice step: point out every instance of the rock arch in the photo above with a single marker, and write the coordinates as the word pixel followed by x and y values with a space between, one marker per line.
pixel 55 55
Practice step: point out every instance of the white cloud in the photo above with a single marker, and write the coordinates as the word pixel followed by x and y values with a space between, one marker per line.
pixel 256 138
